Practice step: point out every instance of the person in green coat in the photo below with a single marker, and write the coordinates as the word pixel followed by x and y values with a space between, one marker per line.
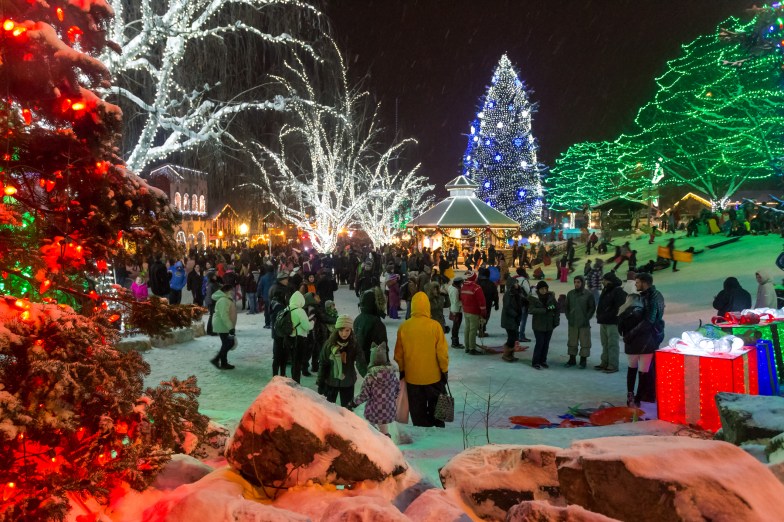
pixel 338 364
pixel 223 323
pixel 545 318
pixel 580 307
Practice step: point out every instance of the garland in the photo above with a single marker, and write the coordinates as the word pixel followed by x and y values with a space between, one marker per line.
pixel 504 236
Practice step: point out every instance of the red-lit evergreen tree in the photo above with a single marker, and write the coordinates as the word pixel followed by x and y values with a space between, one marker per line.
pixel 73 417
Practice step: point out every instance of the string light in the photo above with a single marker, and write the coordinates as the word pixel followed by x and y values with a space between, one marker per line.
pixel 715 122
pixel 501 153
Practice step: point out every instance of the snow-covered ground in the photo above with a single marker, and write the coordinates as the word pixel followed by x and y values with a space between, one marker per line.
pixel 516 388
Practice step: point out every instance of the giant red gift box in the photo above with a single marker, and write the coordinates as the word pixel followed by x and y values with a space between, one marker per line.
pixel 687 384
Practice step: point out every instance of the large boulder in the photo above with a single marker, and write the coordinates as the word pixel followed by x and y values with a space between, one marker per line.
pixel 181 469
pixel 541 511
pixel 436 505
pixel 492 479
pixel 290 435
pixel 749 417
pixel 221 495
pixel 668 479
pixel 362 509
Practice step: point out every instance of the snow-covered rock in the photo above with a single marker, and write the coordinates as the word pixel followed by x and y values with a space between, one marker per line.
pixel 775 449
pixel 220 496
pixel 668 478
pixel 778 470
pixel 541 511
pixel 291 435
pixel 750 417
pixel 214 445
pixel 492 479
pixel 362 509
pixel 181 469
pixel 436 505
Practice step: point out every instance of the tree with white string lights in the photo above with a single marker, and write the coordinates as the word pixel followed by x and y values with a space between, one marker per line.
pixel 317 176
pixel 152 65
pixel 393 194
pixel 501 154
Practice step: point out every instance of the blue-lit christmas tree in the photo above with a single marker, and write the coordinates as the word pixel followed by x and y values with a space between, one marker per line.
pixel 501 153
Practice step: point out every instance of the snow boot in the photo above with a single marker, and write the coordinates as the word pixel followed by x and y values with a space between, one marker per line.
pixel 508 355
pixel 631 380
pixel 583 362
pixel 572 361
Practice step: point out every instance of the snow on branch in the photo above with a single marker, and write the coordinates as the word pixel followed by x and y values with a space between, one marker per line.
pixel 154 48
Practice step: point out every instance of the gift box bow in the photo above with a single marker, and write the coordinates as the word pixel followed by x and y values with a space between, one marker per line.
pixel 694 343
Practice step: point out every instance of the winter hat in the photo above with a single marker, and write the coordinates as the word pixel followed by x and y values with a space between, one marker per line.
pixel 282 275
pixel 542 284
pixel 471 276
pixel 378 354
pixel 612 278
pixel 294 270
pixel 458 279
pixel 329 304
pixel 598 263
pixel 344 321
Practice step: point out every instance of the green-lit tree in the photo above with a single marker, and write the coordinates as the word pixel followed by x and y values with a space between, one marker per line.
pixel 501 153
pixel 711 126
pixel 587 173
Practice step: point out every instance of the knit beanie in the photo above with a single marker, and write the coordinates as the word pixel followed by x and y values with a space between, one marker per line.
pixel 542 284
pixel 344 321
pixel 378 354
pixel 471 276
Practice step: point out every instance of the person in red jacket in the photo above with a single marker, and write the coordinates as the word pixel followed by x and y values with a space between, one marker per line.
pixel 474 311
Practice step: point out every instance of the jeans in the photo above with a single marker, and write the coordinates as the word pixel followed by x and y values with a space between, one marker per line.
pixel 253 304
pixel 456 322
pixel 227 341
pixel 541 347
pixel 523 323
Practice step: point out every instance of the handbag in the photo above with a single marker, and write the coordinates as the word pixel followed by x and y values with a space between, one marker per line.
pixel 445 406
pixel 401 412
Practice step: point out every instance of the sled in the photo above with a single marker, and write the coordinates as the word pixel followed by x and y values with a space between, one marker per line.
pixel 500 349
pixel 713 227
pixel 573 423
pixel 530 422
pixel 615 415
pixel 680 255
pixel 577 411
pixel 725 242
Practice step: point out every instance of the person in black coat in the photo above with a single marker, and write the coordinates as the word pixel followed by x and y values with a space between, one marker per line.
pixel 610 300
pixel 511 315
pixel 732 299
pixel 491 296
pixel 194 284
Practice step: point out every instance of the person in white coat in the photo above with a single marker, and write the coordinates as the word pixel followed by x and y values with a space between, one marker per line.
pixel 299 336
pixel 766 294
pixel 455 310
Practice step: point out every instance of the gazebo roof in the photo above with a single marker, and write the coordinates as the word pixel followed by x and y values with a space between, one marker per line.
pixel 462 209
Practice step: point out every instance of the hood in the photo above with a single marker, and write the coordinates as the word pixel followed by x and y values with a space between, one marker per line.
pixel 511 282
pixel 178 266
pixel 731 283
pixel 420 305
pixel 367 303
pixel 297 300
pixel 218 294
pixel 764 276
pixel 612 279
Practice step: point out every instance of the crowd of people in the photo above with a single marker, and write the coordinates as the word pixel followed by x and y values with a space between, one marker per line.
pixel 432 302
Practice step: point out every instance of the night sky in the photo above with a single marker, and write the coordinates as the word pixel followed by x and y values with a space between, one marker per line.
pixel 590 64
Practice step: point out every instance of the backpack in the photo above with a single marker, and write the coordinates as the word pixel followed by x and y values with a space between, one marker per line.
pixel 283 326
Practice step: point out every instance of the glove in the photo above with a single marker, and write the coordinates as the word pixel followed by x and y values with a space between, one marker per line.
pixel 402 375
pixel 496 307
pixel 551 307
pixel 444 377
pixel 232 332
pixel 351 405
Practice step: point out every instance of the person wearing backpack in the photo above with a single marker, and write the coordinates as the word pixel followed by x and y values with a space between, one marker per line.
pixel 223 324
pixel 297 340
pixel 277 304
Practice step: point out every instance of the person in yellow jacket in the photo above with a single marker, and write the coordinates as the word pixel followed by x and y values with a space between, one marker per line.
pixel 421 352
